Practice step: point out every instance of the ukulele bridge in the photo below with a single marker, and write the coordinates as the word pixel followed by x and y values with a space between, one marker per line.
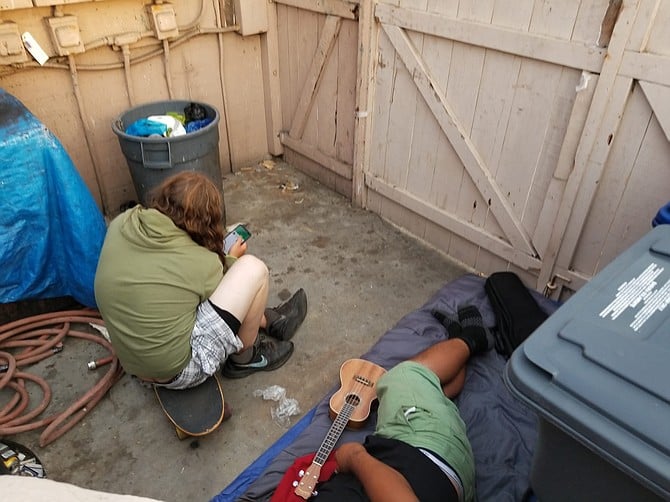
pixel 363 381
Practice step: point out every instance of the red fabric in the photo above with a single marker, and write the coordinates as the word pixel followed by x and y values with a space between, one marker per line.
pixel 285 491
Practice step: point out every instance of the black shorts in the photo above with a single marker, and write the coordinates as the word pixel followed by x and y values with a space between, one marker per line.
pixel 427 480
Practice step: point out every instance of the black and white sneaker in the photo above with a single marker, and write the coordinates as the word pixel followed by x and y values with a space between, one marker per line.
pixel 269 355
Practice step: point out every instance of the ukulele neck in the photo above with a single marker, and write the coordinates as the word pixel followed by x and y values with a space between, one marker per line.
pixel 334 434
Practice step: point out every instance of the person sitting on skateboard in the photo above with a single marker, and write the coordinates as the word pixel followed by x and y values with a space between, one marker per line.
pixel 176 307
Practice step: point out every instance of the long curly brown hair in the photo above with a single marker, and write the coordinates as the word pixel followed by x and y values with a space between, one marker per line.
pixel 194 204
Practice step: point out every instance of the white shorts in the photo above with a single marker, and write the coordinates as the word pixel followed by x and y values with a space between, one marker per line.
pixel 212 341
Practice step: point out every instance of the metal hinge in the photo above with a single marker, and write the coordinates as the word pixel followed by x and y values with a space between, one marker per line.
pixel 551 286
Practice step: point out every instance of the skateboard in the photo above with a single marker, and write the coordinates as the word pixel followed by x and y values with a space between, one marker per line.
pixel 196 411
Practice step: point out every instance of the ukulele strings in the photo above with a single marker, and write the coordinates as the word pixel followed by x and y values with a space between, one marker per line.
pixel 329 442
pixel 356 389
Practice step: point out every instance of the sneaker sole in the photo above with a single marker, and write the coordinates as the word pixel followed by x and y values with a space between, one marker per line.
pixel 244 372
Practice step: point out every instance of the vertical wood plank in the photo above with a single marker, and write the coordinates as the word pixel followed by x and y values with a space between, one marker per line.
pixel 384 83
pixel 632 218
pixel 644 27
pixel 346 91
pixel 428 136
pixel 308 117
pixel 564 163
pixel 271 85
pixel 603 119
pixel 295 49
pixel 659 99
pixel 313 70
pixel 538 110
pixel 412 220
pixel 613 183
pixel 659 35
pixel 526 133
pixel 284 75
pixel 102 172
pixel 400 128
pixel 247 111
pixel 367 68
pixel 589 20
pixel 447 168
pixel 495 101
pixel 555 18
pixel 402 120
pixel 462 91
pixel 326 100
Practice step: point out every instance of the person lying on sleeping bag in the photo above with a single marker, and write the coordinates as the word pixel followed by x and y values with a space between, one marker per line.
pixel 419 450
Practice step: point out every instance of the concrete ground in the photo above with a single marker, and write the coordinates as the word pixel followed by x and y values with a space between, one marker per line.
pixel 361 275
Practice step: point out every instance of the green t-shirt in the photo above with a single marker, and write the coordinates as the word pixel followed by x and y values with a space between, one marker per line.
pixel 150 279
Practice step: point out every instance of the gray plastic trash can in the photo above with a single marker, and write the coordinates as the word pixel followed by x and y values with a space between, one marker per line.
pixel 597 373
pixel 151 159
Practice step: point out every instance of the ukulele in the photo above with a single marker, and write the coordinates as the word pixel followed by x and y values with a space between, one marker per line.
pixel 349 406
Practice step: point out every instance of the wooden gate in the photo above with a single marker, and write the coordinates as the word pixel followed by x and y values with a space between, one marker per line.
pixel 317 45
pixel 620 165
pixel 520 134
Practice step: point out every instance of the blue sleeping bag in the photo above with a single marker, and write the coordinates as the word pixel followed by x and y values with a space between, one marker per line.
pixel 51 229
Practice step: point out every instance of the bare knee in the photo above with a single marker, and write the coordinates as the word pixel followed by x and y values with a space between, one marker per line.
pixel 254 268
pixel 246 281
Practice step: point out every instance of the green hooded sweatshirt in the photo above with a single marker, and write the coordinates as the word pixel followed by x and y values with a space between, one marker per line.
pixel 150 279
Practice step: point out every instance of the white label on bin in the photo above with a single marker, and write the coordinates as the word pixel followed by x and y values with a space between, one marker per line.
pixel 640 291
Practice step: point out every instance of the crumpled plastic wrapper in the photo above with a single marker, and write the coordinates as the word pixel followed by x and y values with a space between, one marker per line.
pixel 285 408
pixel 101 329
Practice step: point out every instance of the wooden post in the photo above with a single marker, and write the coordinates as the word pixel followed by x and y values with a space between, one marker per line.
pixel 270 68
pixel 367 49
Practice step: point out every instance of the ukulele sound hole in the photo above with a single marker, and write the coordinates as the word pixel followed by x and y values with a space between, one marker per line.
pixel 353 400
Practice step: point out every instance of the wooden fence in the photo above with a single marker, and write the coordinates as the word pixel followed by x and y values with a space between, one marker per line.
pixel 525 135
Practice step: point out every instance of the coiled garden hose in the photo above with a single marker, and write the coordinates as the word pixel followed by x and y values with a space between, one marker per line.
pixel 33 339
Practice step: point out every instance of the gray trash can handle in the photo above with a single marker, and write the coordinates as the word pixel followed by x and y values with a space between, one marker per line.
pixel 157 164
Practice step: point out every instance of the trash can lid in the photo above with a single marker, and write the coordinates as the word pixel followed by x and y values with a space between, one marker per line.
pixel 599 367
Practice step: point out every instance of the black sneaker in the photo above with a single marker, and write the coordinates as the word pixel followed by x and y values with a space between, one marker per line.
pixel 291 315
pixel 449 321
pixel 473 332
pixel 268 355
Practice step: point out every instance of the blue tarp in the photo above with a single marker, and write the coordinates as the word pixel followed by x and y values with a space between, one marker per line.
pixel 237 487
pixel 51 229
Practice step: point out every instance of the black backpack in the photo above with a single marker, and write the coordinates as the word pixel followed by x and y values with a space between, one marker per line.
pixel 516 311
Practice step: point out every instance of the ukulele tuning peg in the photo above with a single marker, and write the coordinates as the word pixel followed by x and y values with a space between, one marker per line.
pixel 295 484
pixel 301 473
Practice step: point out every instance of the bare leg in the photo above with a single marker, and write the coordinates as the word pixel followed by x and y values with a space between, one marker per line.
pixel 243 292
pixel 453 387
pixel 447 360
